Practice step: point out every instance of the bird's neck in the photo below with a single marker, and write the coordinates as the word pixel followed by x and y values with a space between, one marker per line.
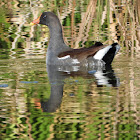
pixel 56 35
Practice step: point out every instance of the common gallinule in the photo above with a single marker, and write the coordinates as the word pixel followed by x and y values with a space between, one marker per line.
pixel 58 53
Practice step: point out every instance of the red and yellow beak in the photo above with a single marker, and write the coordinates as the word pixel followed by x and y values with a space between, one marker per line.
pixel 36 21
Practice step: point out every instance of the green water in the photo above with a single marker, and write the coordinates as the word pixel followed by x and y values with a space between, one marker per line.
pixel 39 103
pixel 69 107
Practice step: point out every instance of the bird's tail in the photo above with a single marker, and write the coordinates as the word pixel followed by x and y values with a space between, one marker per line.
pixel 107 54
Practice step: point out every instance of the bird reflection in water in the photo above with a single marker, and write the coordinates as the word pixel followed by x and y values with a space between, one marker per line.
pixel 57 74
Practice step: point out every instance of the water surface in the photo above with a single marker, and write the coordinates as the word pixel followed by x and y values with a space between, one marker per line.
pixel 39 102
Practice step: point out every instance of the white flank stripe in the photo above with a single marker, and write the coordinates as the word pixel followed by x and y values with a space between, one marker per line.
pixel 65 57
pixel 100 54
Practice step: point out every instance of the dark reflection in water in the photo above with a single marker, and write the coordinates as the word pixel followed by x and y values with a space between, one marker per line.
pixel 57 74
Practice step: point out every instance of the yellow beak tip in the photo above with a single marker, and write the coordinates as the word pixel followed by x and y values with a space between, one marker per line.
pixel 32 24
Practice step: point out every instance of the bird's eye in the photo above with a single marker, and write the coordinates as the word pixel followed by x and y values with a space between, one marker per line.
pixel 44 16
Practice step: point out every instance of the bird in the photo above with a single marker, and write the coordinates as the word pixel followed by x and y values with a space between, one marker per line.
pixel 58 53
